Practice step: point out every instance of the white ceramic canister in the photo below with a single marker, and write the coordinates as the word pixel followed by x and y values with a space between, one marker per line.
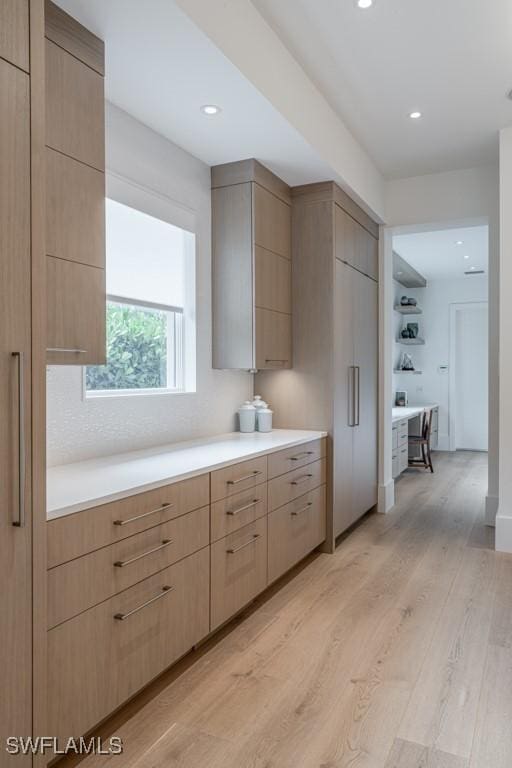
pixel 247 417
pixel 264 417
pixel 258 402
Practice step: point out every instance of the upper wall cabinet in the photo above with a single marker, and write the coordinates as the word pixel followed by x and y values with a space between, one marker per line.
pixel 75 191
pixel 251 251
pixel 14 24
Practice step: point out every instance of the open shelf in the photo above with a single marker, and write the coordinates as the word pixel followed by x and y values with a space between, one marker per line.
pixel 399 370
pixel 411 342
pixel 408 310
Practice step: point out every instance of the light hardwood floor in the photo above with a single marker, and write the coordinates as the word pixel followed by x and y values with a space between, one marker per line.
pixel 395 652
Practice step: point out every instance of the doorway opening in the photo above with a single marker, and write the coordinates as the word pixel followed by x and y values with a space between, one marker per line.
pixel 440 347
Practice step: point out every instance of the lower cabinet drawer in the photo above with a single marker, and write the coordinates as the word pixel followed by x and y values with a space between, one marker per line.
pixel 292 458
pixel 237 478
pixel 295 530
pixel 88 580
pixel 229 515
pixel 403 458
pixel 394 439
pixel 395 464
pixel 102 657
pixel 283 489
pixel 238 570
pixel 403 436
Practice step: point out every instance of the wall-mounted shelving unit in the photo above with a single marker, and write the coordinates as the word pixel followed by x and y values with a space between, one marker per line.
pixel 399 370
pixel 408 309
pixel 411 342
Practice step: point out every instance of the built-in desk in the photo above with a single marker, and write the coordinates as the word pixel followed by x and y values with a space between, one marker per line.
pixel 406 421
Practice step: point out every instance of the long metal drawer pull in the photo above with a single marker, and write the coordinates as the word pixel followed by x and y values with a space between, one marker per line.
pixel 242 509
pixel 123 616
pixel 145 514
pixel 302 479
pixel 66 349
pixel 19 521
pixel 304 509
pixel 255 537
pixel 300 456
pixel 122 563
pixel 245 477
pixel 358 390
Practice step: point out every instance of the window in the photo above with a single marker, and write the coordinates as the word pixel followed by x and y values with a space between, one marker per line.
pixel 150 301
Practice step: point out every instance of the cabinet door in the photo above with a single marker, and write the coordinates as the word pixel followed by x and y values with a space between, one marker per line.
pixel 343 397
pixel 15 539
pixel 273 281
pixel 75 122
pixel 345 236
pixel 272 222
pixel 273 340
pixel 365 295
pixel 76 313
pixel 14 32
pixel 75 210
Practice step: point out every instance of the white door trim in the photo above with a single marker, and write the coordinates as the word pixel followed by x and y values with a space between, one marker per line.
pixel 452 393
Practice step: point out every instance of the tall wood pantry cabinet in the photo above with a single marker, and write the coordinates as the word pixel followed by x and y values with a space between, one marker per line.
pixel 333 385
pixel 251 268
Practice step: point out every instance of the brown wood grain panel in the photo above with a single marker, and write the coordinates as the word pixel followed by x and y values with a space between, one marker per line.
pixel 14 32
pixel 69 34
pixel 272 281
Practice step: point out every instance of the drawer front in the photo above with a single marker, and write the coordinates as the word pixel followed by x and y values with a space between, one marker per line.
pixel 75 108
pixel 293 458
pixel 86 581
pixel 240 477
pixel 403 436
pixel 403 458
pixel 97 661
pixel 295 530
pixel 394 443
pixel 283 489
pixel 231 514
pixel 75 535
pixel 238 570
pixel 395 465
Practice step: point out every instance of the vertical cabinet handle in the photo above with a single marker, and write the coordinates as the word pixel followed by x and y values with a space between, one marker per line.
pixel 19 520
pixel 351 396
pixel 357 390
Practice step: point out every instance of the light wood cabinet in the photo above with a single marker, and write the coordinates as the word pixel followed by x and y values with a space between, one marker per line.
pixel 75 210
pixel 231 514
pixel 80 584
pixel 77 534
pixel 238 570
pixel 251 287
pixel 294 458
pixel 294 530
pixel 335 346
pixel 75 187
pixel 102 657
pixel 285 488
pixel 14 26
pixel 239 477
pixel 15 394
pixel 76 312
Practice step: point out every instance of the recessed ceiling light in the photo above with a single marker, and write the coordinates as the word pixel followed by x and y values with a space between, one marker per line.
pixel 466 256
pixel 364 3
pixel 459 242
pixel 415 115
pixel 210 109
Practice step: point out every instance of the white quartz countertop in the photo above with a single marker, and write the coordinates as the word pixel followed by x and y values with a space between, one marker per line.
pixel 75 487
pixel 410 411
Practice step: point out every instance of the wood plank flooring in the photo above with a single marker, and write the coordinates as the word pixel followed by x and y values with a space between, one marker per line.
pixel 395 652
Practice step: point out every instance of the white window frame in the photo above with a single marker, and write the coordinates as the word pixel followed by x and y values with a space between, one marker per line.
pixel 135 195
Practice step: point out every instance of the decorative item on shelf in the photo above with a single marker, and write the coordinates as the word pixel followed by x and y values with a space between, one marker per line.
pixel 413 329
pixel 405 333
pixel 401 399
pixel 247 417
pixel 406 363
pixel 408 302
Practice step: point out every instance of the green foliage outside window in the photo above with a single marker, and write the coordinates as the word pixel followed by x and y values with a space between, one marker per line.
pixel 136 350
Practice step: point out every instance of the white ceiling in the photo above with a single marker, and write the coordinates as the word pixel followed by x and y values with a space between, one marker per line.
pixel 451 59
pixel 161 68
pixel 437 257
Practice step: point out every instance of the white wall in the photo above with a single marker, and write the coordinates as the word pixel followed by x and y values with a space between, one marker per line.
pixel 79 429
pixel 453 198
pixel 435 301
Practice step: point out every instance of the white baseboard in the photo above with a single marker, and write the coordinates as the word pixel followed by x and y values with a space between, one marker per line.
pixel 491 510
pixel 386 497
pixel 503 532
